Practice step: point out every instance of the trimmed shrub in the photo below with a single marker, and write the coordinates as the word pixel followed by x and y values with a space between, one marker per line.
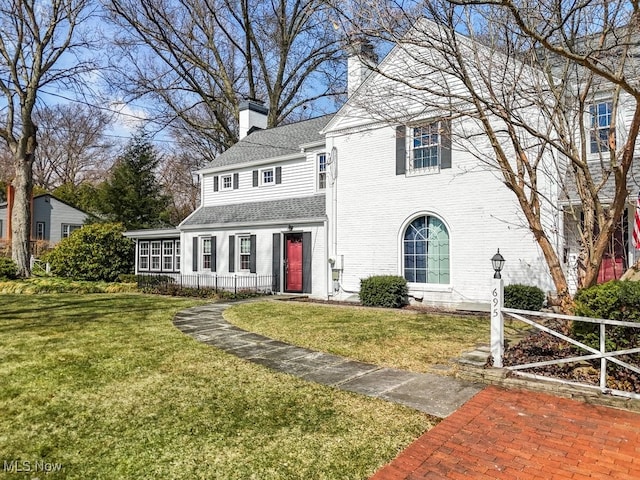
pixel 384 291
pixel 93 252
pixel 523 297
pixel 8 269
pixel 615 300
pixel 127 278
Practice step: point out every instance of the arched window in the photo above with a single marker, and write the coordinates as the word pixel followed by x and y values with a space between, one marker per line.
pixel 426 251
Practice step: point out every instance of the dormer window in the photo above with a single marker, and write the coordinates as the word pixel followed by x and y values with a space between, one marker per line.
pixel 601 116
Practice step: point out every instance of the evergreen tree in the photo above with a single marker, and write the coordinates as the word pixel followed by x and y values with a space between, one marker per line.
pixel 132 195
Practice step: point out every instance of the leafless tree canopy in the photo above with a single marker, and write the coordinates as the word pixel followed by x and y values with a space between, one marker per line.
pixel 72 147
pixel 197 59
pixel 41 46
pixel 525 75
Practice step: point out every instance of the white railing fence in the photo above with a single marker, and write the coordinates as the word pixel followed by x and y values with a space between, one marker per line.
pixel 498 313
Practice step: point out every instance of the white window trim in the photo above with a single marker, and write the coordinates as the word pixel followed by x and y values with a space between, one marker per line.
pixel 203 254
pixel 222 179
pixel 240 254
pixel 592 156
pixel 177 258
pixel 152 256
pixel 170 256
pixel 318 172
pixel 261 173
pixel 415 287
pixel 431 170
pixel 147 256
pixel 70 227
pixel 40 235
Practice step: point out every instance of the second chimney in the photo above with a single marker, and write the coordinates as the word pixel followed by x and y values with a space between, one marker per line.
pixel 252 115
pixel 362 59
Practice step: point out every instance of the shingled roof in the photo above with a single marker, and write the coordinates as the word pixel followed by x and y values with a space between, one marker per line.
pixel 273 142
pixel 284 210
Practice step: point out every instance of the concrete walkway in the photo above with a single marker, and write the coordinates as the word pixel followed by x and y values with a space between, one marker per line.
pixel 436 395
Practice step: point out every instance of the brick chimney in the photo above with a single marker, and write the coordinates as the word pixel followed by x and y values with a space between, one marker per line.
pixel 252 115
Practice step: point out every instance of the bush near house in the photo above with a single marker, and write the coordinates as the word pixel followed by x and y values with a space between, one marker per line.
pixel 8 269
pixel 523 297
pixel 94 252
pixel 384 291
pixel 615 300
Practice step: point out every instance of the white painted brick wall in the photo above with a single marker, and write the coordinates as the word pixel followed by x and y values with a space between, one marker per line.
pixel 481 213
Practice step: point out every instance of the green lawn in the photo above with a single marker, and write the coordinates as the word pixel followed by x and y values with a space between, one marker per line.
pixel 106 386
pixel 419 342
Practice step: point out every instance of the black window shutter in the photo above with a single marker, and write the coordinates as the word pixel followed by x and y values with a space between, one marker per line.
pixel 401 149
pixel 255 178
pixel 195 254
pixel 278 174
pixel 252 256
pixel 236 180
pixel 213 254
pixel 445 144
pixel 275 263
pixel 307 250
pixel 232 253
pixel 215 183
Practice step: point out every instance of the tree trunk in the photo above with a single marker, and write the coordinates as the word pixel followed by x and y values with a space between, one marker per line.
pixel 21 213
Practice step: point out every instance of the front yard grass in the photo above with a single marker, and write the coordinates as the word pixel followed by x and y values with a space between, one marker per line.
pixel 105 386
pixel 421 342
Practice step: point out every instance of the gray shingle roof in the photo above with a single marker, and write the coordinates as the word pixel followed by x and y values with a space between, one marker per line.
pixel 272 210
pixel 273 142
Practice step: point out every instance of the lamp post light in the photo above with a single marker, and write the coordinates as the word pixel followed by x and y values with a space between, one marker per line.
pixel 497 302
pixel 498 262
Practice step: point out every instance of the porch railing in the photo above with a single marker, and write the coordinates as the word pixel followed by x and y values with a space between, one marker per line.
pixel 229 283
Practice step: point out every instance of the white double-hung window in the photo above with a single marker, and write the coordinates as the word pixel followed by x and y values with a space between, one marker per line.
pixel 245 253
pixel 321 162
pixel 601 119
pixel 429 147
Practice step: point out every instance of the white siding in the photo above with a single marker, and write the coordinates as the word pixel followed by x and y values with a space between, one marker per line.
pixel 264 252
pixel 298 180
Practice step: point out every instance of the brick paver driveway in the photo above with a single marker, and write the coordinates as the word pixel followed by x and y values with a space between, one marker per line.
pixel 514 434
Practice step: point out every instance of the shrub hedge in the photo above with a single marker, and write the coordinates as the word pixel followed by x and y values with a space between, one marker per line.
pixel 93 252
pixel 8 269
pixel 384 291
pixel 523 297
pixel 615 300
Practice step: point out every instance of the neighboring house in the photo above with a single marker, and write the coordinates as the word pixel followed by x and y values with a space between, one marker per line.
pixel 318 205
pixel 51 220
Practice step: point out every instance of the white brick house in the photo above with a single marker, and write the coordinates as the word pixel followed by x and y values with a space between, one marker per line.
pixel 318 205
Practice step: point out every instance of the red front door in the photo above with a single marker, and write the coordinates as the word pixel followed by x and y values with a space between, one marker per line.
pixel 293 263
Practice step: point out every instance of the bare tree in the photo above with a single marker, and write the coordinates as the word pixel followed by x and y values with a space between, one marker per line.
pixel 178 182
pixel 72 147
pixel 519 80
pixel 36 43
pixel 197 59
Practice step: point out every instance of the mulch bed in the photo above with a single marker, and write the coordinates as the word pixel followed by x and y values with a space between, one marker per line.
pixel 541 346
